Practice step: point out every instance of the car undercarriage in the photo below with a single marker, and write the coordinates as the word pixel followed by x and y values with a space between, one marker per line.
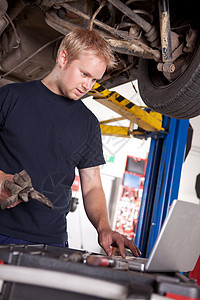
pixel 155 42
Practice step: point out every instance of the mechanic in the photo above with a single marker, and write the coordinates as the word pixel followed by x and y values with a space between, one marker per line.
pixel 46 130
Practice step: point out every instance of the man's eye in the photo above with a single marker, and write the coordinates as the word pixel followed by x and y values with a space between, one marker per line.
pixel 84 74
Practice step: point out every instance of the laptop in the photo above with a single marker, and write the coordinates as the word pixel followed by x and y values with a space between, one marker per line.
pixel 177 247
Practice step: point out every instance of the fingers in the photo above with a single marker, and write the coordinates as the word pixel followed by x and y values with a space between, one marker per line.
pixel 12 187
pixel 18 188
pixel 24 196
pixel 8 202
pixel 22 179
pixel 41 198
pixel 14 204
pixel 138 250
pixel 121 242
pixel 24 175
pixel 122 250
pixel 108 250
pixel 132 246
pixel 18 180
pixel 105 241
pixel 112 238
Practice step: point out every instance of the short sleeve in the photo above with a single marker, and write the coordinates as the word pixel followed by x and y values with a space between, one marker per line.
pixel 91 153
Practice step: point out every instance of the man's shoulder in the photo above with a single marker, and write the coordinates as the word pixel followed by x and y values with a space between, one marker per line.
pixel 91 116
pixel 17 87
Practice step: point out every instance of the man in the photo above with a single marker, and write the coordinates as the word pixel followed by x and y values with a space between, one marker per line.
pixel 46 130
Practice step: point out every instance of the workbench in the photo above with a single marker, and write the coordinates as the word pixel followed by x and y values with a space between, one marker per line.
pixel 38 272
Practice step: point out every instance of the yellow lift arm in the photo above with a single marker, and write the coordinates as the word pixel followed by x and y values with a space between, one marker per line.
pixel 149 122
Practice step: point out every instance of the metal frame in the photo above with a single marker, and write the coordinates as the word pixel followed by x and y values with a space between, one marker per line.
pixel 162 180
pixel 146 119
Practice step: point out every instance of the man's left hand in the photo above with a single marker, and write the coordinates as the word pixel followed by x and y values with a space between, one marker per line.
pixel 108 238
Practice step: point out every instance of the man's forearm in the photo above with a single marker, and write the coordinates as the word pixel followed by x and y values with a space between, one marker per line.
pixel 96 210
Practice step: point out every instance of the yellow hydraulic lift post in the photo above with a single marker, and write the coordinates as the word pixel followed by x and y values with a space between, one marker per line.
pixel 149 122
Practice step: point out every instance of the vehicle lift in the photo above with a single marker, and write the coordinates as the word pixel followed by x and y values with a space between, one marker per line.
pixel 165 159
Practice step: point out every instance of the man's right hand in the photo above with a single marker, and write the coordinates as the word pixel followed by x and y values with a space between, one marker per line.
pixel 5 193
pixel 18 188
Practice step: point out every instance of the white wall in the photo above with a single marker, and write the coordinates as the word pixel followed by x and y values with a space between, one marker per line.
pixel 191 166
pixel 81 234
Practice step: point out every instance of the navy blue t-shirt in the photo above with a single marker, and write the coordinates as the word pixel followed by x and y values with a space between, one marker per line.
pixel 47 135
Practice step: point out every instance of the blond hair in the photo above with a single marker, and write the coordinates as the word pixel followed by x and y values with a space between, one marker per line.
pixel 80 41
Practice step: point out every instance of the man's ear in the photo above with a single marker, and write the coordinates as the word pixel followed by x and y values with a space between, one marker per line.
pixel 62 58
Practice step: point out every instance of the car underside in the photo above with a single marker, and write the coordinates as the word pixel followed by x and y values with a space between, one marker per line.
pixel 155 42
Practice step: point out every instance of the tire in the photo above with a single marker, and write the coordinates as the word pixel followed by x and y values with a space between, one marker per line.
pixel 179 99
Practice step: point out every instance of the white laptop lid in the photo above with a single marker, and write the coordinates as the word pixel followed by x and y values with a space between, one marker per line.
pixel 177 247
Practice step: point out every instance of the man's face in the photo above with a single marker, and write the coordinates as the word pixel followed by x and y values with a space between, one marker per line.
pixel 79 76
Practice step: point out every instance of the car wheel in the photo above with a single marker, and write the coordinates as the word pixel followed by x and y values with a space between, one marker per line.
pixel 179 99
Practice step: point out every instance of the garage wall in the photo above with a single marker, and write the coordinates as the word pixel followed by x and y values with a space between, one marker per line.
pixel 82 234
pixel 191 166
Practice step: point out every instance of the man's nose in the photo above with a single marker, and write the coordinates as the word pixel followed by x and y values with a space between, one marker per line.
pixel 88 83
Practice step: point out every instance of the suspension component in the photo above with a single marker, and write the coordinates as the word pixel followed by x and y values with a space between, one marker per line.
pixel 5 19
pixel 165 31
pixel 166 43
pixel 137 49
pixel 150 31
pixel 128 24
